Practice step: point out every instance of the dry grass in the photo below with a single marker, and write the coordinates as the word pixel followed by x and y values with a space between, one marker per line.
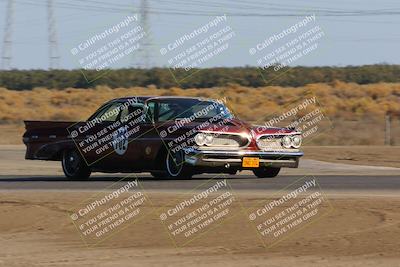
pixel 344 100
pixel 357 111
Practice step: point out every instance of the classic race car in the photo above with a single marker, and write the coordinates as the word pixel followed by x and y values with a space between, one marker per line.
pixel 170 137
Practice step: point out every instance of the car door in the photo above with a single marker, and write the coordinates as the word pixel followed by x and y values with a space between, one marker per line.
pixel 144 141
pixel 106 155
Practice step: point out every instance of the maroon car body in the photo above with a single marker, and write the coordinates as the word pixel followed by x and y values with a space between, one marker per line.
pixel 167 136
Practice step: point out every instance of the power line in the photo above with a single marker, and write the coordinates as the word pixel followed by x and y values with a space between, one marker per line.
pixel 244 8
pixel 113 8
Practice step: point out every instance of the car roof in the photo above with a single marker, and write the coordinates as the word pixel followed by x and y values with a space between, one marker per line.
pixel 145 98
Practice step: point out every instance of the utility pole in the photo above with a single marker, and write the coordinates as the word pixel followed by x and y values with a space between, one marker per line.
pixel 7 40
pixel 54 57
pixel 144 50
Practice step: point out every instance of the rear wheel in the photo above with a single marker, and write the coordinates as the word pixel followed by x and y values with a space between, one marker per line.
pixel 266 172
pixel 74 166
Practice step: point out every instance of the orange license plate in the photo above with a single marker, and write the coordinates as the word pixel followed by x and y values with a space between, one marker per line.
pixel 250 162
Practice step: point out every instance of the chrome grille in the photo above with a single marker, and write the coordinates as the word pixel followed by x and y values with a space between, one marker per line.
pixel 229 140
pixel 270 143
pixel 221 141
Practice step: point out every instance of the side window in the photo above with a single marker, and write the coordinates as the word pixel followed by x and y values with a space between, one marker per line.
pixel 168 111
pixel 109 113
pixel 164 112
pixel 132 113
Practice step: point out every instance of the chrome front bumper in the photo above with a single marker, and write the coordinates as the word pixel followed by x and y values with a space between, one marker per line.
pixel 233 159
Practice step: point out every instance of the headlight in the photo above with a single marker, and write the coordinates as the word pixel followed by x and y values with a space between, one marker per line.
pixel 209 139
pixel 286 141
pixel 296 141
pixel 200 139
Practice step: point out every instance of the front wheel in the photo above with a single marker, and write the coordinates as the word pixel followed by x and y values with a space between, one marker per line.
pixel 174 166
pixel 266 172
pixel 74 166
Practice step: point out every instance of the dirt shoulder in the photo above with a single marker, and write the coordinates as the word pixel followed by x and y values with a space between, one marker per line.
pixel 36 231
pixel 358 155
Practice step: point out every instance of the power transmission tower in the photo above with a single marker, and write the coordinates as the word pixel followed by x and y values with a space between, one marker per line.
pixel 54 57
pixel 144 50
pixel 7 40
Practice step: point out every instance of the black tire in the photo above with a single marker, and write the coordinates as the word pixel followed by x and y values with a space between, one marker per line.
pixel 232 172
pixel 173 166
pixel 266 172
pixel 74 166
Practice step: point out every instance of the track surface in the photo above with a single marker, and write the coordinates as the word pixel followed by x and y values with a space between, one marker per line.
pixel 17 173
pixel 237 182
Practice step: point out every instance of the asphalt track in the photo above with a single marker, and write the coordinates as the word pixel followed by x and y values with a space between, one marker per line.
pixel 19 174
pixel 237 182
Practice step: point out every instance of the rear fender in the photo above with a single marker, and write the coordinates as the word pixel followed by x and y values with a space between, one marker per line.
pixel 53 151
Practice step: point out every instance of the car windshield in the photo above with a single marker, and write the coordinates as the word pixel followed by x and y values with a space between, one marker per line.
pixel 195 109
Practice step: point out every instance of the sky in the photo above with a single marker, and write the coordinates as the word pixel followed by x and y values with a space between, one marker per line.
pixel 355 32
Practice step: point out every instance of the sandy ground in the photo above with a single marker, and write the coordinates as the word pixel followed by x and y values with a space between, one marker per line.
pixel 356 155
pixel 359 231
pixel 356 229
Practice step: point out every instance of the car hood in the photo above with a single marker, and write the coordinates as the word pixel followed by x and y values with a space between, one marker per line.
pixel 235 125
